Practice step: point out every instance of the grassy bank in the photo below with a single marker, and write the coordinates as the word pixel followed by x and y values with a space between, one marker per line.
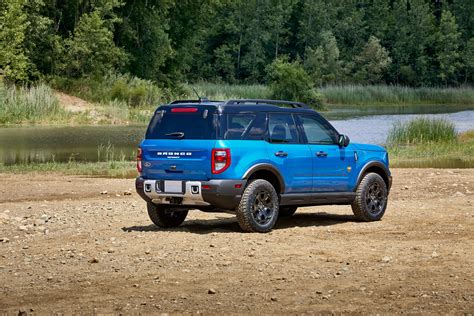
pixel 34 104
pixel 430 143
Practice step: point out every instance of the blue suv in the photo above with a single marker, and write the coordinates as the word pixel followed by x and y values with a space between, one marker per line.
pixel 259 159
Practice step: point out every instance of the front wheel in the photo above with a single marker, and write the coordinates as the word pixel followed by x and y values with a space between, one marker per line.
pixel 166 217
pixel 371 198
pixel 258 208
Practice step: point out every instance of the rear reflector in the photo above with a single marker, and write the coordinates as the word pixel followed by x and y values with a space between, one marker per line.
pixel 205 187
pixel 184 110
pixel 139 160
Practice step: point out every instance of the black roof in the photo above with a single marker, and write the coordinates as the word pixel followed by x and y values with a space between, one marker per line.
pixel 246 105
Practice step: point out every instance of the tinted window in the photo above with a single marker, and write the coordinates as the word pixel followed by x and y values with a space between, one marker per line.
pixel 317 131
pixel 237 124
pixel 168 125
pixel 281 128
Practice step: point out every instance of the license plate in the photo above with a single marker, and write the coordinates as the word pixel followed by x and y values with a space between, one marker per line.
pixel 173 187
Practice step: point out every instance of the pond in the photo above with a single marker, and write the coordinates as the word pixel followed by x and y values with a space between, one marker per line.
pixel 94 143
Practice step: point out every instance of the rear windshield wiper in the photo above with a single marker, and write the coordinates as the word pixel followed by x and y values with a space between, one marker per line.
pixel 176 134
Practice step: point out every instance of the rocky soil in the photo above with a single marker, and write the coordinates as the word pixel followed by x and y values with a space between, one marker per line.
pixel 85 245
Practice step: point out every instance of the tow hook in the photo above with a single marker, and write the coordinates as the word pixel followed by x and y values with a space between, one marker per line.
pixel 195 189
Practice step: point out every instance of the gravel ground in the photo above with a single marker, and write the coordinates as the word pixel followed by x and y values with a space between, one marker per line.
pixel 85 245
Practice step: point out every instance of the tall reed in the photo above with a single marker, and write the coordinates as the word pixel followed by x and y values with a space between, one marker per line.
pixel 422 131
pixel 19 104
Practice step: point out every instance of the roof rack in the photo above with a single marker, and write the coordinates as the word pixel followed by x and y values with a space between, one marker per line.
pixel 257 101
pixel 190 101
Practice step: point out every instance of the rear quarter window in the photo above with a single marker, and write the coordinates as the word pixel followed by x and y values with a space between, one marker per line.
pixel 243 126
pixel 166 124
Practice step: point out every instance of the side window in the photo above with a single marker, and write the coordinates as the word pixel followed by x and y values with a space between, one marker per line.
pixel 237 124
pixel 281 128
pixel 316 131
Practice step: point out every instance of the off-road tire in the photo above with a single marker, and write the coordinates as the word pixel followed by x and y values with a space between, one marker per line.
pixel 252 214
pixel 287 211
pixel 166 217
pixel 371 198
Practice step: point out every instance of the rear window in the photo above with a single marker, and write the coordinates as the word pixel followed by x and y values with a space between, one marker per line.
pixel 193 123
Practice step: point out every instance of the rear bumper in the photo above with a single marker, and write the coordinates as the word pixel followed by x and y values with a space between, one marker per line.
pixel 221 194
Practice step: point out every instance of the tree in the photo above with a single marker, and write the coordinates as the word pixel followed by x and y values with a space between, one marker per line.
pixel 411 40
pixel 469 61
pixel 91 49
pixel 289 81
pixel 13 25
pixel 447 42
pixel 323 64
pixel 371 62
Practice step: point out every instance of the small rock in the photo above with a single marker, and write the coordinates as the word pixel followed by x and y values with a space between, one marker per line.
pixel 386 259
pixel 319 292
pixel 94 260
pixel 434 254
pixel 147 252
pixel 104 192
pixel 127 193
pixel 26 247
pixel 211 291
pixel 4 239
pixel 274 298
pixel 110 250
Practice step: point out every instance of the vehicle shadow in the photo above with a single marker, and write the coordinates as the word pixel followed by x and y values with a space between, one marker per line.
pixel 230 225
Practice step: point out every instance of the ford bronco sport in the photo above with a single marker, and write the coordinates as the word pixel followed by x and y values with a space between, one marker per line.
pixel 257 159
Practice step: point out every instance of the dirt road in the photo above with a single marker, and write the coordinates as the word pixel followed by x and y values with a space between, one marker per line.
pixel 65 247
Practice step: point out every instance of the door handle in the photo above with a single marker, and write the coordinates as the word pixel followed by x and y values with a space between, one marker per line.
pixel 321 154
pixel 281 154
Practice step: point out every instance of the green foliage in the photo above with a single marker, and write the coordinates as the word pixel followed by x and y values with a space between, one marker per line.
pixel 371 63
pixel 421 131
pixel 447 39
pixel 33 104
pixel 91 50
pixel 170 41
pixel 13 26
pixel 289 81
pixel 133 91
pixel 323 64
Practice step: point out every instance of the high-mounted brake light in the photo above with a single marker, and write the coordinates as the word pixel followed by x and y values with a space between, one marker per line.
pixel 220 160
pixel 184 110
pixel 139 160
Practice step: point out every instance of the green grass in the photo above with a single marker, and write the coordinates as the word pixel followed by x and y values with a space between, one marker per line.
pixel 347 95
pixel 396 95
pixel 421 131
pixel 430 143
pixel 225 91
pixel 114 89
pixel 29 104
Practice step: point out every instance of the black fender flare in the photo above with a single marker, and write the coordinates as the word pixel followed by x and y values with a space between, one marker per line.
pixel 266 167
pixel 387 178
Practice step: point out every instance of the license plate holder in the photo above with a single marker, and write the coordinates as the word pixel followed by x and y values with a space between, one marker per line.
pixel 173 186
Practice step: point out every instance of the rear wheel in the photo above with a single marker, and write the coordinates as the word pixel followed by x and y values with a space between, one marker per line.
pixel 371 198
pixel 166 217
pixel 258 208
pixel 287 211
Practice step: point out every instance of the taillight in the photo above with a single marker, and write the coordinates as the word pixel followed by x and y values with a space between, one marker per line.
pixel 139 160
pixel 220 160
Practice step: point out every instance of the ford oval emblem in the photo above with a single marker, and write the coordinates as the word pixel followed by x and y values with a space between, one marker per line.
pixel 147 164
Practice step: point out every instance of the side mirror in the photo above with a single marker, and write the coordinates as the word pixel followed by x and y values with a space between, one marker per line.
pixel 343 140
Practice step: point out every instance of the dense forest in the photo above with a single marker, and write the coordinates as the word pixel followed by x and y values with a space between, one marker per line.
pixel 403 42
